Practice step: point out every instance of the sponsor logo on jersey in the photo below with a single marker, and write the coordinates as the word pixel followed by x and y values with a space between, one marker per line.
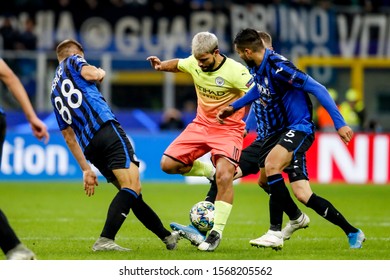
pixel 219 81
pixel 250 82
pixel 292 78
pixel 264 91
pixel 279 70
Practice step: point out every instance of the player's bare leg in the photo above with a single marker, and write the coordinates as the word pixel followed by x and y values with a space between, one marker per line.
pixel 198 168
pixel 223 204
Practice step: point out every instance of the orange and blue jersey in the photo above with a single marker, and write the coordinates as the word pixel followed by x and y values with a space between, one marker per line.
pixel 218 88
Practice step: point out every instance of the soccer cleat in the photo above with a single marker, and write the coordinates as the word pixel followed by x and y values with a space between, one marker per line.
pixel 20 252
pixel 211 243
pixel 171 240
pixel 272 239
pixel 293 225
pixel 356 239
pixel 190 233
pixel 106 244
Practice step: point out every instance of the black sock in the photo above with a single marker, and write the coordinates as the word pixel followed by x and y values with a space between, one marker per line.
pixel 212 194
pixel 275 215
pixel 149 218
pixel 282 201
pixel 8 238
pixel 118 211
pixel 326 210
pixel 276 185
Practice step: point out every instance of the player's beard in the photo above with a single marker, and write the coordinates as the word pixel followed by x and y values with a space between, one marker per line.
pixel 250 62
pixel 209 67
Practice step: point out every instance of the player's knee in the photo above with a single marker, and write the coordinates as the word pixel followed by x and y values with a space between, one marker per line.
pixel 223 179
pixel 272 168
pixel 171 166
pixel 167 166
pixel 133 184
pixel 166 169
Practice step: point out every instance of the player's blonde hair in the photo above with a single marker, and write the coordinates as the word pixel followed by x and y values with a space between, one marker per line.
pixel 204 42
pixel 68 47
pixel 266 37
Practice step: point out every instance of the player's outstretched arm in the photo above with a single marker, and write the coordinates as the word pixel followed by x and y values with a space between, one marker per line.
pixel 155 62
pixel 166 65
pixel 15 86
pixel 89 176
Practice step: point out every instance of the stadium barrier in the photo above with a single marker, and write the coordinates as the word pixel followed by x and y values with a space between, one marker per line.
pixel 364 160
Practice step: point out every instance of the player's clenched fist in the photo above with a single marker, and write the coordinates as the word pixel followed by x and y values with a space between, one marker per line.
pixel 224 113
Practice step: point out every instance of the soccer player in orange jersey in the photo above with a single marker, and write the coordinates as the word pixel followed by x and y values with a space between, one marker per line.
pixel 218 81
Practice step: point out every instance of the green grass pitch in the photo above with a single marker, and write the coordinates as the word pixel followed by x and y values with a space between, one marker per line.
pixel 59 222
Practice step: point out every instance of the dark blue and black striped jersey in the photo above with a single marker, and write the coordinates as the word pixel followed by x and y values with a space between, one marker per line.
pixel 281 97
pixel 77 102
pixel 253 121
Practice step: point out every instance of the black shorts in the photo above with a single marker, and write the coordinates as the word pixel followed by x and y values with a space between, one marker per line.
pixel 249 160
pixel 110 149
pixel 297 142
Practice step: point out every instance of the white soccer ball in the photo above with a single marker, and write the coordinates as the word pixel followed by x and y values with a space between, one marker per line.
pixel 202 215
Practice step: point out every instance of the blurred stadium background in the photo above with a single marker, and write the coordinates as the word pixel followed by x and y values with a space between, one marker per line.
pixel 344 45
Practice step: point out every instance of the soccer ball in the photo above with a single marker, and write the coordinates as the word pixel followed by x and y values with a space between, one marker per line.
pixel 202 215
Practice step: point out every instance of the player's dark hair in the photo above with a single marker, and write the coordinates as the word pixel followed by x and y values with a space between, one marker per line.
pixel 248 39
